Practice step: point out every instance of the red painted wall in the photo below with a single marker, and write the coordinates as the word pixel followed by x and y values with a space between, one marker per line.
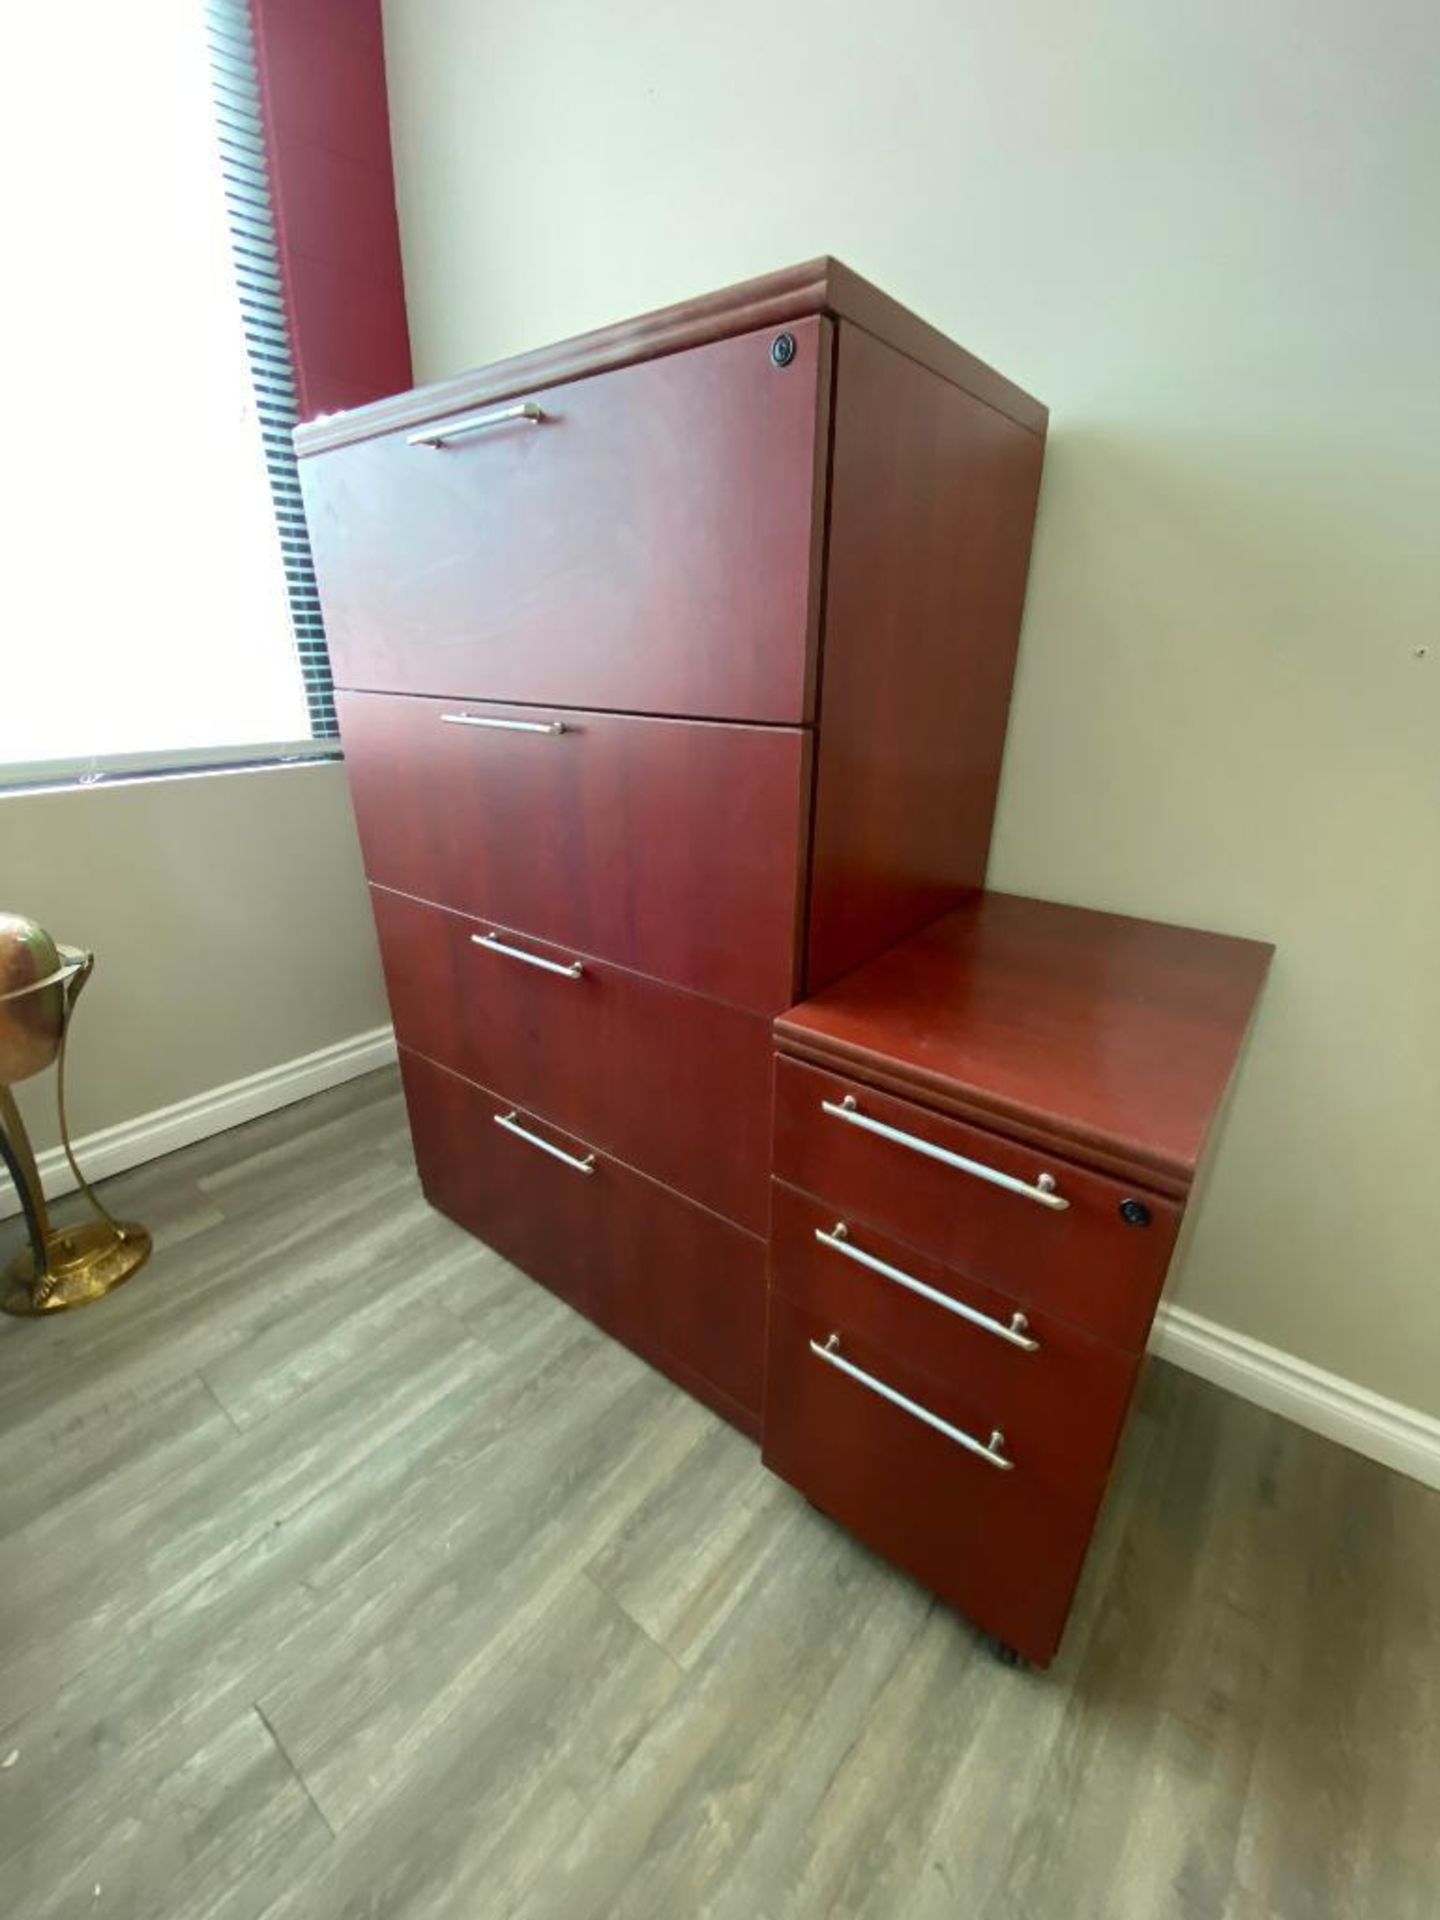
pixel 327 124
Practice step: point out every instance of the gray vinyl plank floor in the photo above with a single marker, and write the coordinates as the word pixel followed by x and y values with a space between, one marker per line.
pixel 346 1572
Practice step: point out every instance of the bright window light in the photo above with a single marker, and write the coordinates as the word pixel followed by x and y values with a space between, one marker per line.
pixel 144 592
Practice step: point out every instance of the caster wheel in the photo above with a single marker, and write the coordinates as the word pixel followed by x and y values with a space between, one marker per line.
pixel 1005 1653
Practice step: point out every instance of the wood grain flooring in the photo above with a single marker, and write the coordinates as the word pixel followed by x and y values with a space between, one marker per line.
pixel 345 1572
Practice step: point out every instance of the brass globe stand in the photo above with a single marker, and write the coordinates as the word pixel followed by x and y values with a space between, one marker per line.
pixel 62 1267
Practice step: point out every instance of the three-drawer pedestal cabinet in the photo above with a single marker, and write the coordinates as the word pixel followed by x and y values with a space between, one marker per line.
pixel 673 667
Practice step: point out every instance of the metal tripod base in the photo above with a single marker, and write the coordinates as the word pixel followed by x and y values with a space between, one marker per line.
pixel 82 1264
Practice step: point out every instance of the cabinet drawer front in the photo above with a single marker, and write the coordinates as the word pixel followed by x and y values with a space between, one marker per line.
pixel 668 846
pixel 1083 1263
pixel 1058 1395
pixel 676 1085
pixel 672 1280
pixel 647 543
pixel 1002 1545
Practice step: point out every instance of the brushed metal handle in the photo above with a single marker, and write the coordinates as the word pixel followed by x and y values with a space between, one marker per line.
pixel 1042 1193
pixel 502 726
pixel 1016 1334
pixel 495 945
pixel 991 1450
pixel 448 430
pixel 512 1125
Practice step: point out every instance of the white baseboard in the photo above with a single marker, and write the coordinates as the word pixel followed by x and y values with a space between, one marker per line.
pixel 1383 1430
pixel 131 1142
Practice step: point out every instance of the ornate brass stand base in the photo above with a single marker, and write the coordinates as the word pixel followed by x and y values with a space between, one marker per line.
pixel 83 1263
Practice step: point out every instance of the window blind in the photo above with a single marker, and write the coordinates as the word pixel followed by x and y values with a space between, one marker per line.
pixel 235 86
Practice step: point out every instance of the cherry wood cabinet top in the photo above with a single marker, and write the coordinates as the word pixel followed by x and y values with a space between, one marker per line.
pixel 819 286
pixel 1108 1038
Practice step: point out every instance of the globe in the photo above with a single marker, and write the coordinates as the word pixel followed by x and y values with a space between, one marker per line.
pixel 67 1266
pixel 32 999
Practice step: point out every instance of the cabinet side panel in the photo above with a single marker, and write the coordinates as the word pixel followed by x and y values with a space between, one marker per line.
pixel 932 507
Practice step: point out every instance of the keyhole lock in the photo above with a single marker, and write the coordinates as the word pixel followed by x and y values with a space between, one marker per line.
pixel 782 349
pixel 1135 1213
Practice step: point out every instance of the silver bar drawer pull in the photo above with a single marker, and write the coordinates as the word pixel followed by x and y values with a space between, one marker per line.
pixel 524 411
pixel 502 726
pixel 1016 1333
pixel 1042 1193
pixel 991 1450
pixel 489 940
pixel 512 1125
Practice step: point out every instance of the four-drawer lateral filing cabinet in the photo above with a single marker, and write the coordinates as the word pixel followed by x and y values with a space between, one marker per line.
pixel 673 668
pixel 984 1144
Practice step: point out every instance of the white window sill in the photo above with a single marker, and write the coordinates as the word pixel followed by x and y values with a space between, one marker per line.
pixel 111 770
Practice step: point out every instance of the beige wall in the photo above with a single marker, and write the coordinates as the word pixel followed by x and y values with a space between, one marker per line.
pixel 230 920
pixel 1205 234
